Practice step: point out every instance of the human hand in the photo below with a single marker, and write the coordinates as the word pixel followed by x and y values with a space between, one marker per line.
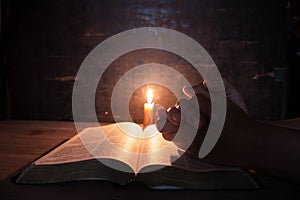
pixel 168 122
pixel 243 141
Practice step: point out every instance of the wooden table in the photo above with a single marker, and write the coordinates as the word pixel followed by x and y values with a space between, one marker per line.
pixel 23 141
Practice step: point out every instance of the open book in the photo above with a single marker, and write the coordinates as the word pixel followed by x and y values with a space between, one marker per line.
pixel 124 153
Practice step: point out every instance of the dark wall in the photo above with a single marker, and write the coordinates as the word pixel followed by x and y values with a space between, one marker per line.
pixel 293 106
pixel 48 40
pixel 3 94
pixel 3 89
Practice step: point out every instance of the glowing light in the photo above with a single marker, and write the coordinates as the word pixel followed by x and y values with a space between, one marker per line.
pixel 149 96
pixel 148 109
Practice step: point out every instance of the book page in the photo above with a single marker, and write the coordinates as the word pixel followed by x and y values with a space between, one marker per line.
pixel 157 151
pixel 71 151
pixel 116 144
pixel 91 143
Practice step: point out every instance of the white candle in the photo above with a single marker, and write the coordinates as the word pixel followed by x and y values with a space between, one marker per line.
pixel 148 109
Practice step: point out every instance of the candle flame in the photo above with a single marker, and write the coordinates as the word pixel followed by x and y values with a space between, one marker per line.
pixel 149 96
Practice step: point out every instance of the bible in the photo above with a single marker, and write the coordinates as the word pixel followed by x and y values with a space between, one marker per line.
pixel 123 153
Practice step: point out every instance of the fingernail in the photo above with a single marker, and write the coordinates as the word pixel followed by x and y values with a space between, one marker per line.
pixel 188 91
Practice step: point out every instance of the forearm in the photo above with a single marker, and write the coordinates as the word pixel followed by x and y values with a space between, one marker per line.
pixel 262 147
pixel 271 149
pixel 276 150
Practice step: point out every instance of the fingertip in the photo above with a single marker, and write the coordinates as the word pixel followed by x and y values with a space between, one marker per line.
pixel 160 123
pixel 204 83
pixel 161 113
pixel 165 127
pixel 174 116
pixel 188 91
pixel 182 102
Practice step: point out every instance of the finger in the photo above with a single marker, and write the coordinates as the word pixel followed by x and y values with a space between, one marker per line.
pixel 169 136
pixel 184 136
pixel 204 105
pixel 188 91
pixel 174 115
pixel 197 89
pixel 190 113
pixel 204 83
pixel 168 122
pixel 165 127
pixel 195 102
pixel 161 113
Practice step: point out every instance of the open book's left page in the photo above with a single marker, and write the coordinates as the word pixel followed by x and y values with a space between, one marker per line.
pixel 90 144
pixel 74 161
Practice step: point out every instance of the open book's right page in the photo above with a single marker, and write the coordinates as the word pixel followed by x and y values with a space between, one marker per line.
pixel 163 165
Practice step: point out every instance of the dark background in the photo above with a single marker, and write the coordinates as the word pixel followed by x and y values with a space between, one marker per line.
pixel 255 44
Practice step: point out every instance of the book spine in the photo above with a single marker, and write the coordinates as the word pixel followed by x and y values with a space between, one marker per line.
pixel 131 180
pixel 135 180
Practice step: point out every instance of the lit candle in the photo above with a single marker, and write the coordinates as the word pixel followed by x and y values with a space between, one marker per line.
pixel 148 109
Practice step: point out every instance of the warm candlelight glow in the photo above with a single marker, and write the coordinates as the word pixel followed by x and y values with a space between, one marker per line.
pixel 149 96
pixel 148 109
